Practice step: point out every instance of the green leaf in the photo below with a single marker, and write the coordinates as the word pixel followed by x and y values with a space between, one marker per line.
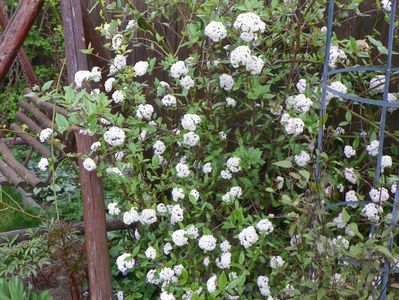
pixel 62 123
pixel 381 48
pixel 283 164
pixel 47 85
pixel 345 216
pixel 355 229
pixel 222 281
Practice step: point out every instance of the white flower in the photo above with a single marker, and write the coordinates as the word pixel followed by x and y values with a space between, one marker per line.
pixel 215 31
pixel 161 208
pixel 276 262
pixel 336 55
pixel 168 100
pixel 224 261
pixel 371 211
pixel 380 195
pixel 233 164
pixel 323 29
pixel 249 24
pixel 95 74
pixel 109 83
pixel 349 151
pixel 178 269
pixel 206 261
pixel 296 239
pixel 191 139
pixel 225 246
pixel 394 187
pixel 166 274
pixel 118 63
pixel 113 209
pixel 114 136
pixel 81 76
pixel 291 125
pixel 265 226
pixel 350 175
pixel 339 222
pixel 207 243
pixel 167 248
pixel 187 82
pixel 226 82
pixel 340 241
pixel 177 194
pixel 131 25
pixel 231 102
pixel 151 277
pixel 167 296
pixel 179 237
pixel 151 253
pixel 222 135
pixel 178 69
pixel 159 147
pixel 113 170
pixel 148 216
pixel 192 232
pixel 299 102
pixel 176 214
pixel 350 196
pixel 248 237
pixel 190 122
pixel 43 164
pixel 94 147
pixel 302 159
pixel 386 5
pixel 89 164
pixel 301 85
pixel 117 41
pixel 377 84
pixel 182 170
pixel 336 86
pixel 195 194
pixel 118 96
pixel 104 121
pixel 211 284
pixel 45 134
pixel 125 262
pixel 372 148
pixel 386 162
pixel 263 284
pixel 144 111
pixel 207 168
pixel 131 216
pixel 119 155
pixel 119 295
pixel 226 174
pixel 140 68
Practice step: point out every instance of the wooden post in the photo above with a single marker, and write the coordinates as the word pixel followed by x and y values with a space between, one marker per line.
pixel 16 31
pixel 94 225
pixel 29 73
pixel 72 23
pixel 91 184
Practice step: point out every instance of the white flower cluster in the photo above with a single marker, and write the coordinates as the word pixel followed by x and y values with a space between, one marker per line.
pixel 177 194
pixel 224 261
pixel 131 216
pixel 168 100
pixel 179 237
pixel 43 164
pixel 248 237
pixel 230 102
pixel 114 136
pixel 301 85
pixel 380 195
pixel 187 82
pixel 226 82
pixel 118 96
pixel 148 216
pixel 300 103
pixel 340 241
pixel 350 196
pixel 372 148
pixel 177 214
pixel 207 243
pixel 118 64
pixel 89 164
pixel 191 139
pixel 109 84
pixel 350 175
pixel 302 159
pixel 113 209
pixel 117 41
pixel 249 24
pixel 190 122
pixel 336 55
pixel 234 193
pixel 386 5
pixel 386 162
pixel 233 164
pixel 292 125
pixel 216 31
pixel 371 211
pixel 241 56
pixel 45 134
pixel 336 86
pixel 84 75
pixel 159 147
pixel 377 84
pixel 349 151
pixel 144 111
pixel 211 284
pixel 263 285
pixel 182 170
pixel 151 253
pixel 125 262
pixel 140 68
pixel 178 69
pixel 265 226
pixel 276 262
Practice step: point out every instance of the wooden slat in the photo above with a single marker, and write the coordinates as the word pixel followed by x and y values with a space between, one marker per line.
pixel 27 68
pixel 22 171
pixel 46 106
pixel 16 31
pixel 94 224
pixel 29 139
pixel 11 175
pixel 40 117
pixel 20 116
pixel 72 22
pixel 3 180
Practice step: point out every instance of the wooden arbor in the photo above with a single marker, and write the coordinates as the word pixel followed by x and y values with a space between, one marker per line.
pixel 36 116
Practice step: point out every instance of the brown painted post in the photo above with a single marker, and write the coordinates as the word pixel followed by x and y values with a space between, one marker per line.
pixel 94 225
pixel 16 31
pixel 29 73
pixel 91 184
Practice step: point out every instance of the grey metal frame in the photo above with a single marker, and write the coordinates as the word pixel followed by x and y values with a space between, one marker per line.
pixel 384 104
